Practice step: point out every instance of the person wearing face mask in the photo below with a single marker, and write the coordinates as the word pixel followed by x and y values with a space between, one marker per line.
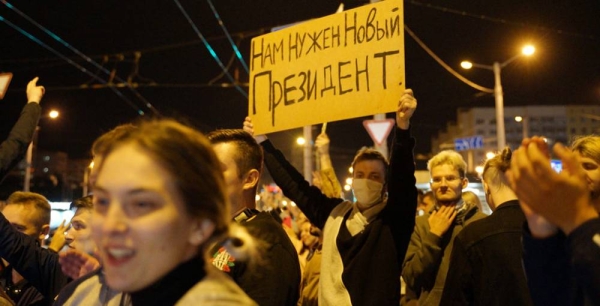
pixel 364 242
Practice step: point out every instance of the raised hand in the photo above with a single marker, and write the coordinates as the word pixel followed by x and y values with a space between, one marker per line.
pixel 76 263
pixel 34 92
pixel 561 198
pixel 440 220
pixel 322 144
pixel 406 108
pixel 249 128
pixel 58 239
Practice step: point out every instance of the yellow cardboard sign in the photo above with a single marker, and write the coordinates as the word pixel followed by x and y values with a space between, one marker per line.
pixel 346 65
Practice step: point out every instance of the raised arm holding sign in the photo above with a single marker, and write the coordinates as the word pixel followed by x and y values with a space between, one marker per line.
pixel 375 226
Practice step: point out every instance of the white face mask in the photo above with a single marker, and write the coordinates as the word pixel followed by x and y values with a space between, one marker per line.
pixel 367 192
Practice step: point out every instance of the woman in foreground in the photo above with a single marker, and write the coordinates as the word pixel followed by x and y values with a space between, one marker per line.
pixel 159 202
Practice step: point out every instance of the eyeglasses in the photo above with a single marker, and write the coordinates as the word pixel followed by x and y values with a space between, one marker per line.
pixel 448 179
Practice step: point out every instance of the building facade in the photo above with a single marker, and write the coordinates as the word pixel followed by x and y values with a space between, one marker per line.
pixel 557 123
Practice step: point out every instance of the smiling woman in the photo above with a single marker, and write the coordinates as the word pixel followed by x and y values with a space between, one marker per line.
pixel 159 201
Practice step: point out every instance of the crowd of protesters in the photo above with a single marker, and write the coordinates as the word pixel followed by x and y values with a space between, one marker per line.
pixel 173 219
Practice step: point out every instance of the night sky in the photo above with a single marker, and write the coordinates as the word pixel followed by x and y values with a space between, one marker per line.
pixel 564 70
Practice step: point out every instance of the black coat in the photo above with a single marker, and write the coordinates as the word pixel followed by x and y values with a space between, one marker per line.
pixel 485 266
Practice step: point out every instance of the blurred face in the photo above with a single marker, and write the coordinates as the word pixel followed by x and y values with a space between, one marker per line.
pixel 370 169
pixel 428 203
pixel 592 173
pixel 139 222
pixel 307 238
pixel 22 218
pixel 446 184
pixel 78 236
pixel 235 186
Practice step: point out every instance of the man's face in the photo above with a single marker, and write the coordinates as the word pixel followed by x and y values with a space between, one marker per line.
pixel 592 173
pixel 370 169
pixel 446 183
pixel 235 186
pixel 78 236
pixel 22 218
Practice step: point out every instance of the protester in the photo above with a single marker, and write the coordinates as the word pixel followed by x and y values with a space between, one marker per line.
pixel 587 148
pixel 76 235
pixel 428 255
pixel 77 262
pixel 562 268
pixel 356 233
pixel 276 280
pixel 13 149
pixel 312 240
pixel 34 276
pixel 159 201
pixel 426 204
pixel 485 266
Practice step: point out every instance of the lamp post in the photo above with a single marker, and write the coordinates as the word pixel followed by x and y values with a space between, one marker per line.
pixel 498 94
pixel 307 160
pixel 53 114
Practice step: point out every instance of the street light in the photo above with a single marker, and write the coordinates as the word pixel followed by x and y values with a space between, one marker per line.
pixel 53 114
pixel 525 125
pixel 498 94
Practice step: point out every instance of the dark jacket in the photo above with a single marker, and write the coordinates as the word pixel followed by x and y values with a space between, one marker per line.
pixel 564 270
pixel 485 266
pixel 13 149
pixel 37 265
pixel 428 256
pixel 275 279
pixel 371 259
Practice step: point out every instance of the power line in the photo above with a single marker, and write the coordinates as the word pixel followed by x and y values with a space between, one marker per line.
pixel 209 48
pixel 443 64
pixel 499 20
pixel 234 46
pixel 81 68
pixel 87 59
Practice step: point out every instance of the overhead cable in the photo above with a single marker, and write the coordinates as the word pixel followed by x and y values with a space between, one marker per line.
pixel 237 52
pixel 210 49
pixel 81 68
pixel 443 64
pixel 499 20
pixel 88 59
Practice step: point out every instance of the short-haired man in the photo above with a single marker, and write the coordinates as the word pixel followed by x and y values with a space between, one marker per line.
pixel 34 276
pixel 428 256
pixel 364 241
pixel 77 235
pixel 277 282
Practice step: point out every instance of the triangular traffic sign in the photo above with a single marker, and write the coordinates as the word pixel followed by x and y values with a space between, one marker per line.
pixel 379 129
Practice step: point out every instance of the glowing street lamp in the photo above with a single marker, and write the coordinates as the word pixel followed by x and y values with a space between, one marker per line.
pixel 528 50
pixel 53 114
